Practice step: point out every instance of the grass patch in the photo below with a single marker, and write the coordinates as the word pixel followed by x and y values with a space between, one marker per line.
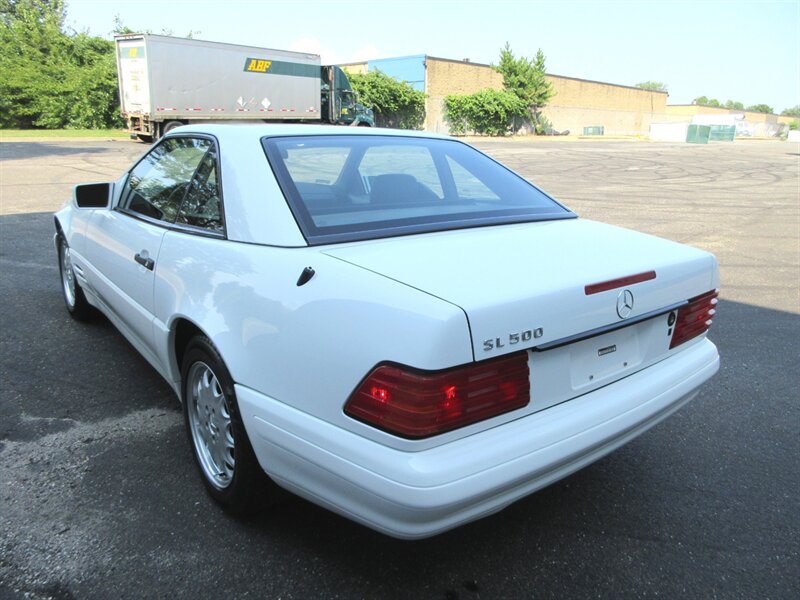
pixel 63 133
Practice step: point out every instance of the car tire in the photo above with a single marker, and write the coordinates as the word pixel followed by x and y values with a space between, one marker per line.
pixel 220 446
pixel 74 298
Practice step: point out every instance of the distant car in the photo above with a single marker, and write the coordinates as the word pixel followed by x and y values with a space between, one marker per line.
pixel 392 325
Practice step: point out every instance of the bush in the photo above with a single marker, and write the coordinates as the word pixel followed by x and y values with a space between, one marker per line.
pixel 396 103
pixel 488 112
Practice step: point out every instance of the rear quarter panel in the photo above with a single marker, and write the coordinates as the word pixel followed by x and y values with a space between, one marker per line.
pixel 307 346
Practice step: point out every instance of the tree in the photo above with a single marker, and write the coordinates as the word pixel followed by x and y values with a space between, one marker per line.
pixel 792 112
pixel 526 78
pixel 704 101
pixel 52 78
pixel 396 103
pixel 734 105
pixel 41 10
pixel 761 108
pixel 121 28
pixel 654 86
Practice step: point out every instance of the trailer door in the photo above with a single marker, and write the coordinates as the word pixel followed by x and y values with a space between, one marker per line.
pixel 134 82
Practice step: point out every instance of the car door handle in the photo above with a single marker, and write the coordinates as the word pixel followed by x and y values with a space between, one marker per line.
pixel 147 263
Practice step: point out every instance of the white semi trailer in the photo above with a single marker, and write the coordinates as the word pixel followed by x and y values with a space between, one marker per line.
pixel 166 81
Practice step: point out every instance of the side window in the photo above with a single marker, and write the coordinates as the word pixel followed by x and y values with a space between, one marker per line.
pixel 201 205
pixel 157 184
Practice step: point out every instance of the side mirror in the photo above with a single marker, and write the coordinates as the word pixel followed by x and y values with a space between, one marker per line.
pixel 92 195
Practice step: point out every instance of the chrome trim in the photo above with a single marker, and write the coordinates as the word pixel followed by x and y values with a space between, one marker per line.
pixel 608 328
pixel 179 227
pixel 625 303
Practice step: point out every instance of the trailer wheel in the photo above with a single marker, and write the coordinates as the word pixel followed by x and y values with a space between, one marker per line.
pixel 169 126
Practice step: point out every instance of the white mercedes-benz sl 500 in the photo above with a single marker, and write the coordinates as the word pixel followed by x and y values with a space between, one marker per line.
pixel 390 324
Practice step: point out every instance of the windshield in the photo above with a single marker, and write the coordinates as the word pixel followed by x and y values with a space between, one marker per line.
pixel 350 187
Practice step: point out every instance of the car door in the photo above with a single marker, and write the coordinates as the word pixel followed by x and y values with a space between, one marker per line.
pixel 123 243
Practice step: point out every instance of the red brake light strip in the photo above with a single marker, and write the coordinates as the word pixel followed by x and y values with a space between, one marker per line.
pixel 612 284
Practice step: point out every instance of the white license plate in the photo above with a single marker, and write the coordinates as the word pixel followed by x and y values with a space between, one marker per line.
pixel 605 356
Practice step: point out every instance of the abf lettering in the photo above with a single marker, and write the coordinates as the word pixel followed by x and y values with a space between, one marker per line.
pixel 258 65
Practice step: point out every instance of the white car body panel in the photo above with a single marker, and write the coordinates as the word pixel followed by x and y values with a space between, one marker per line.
pixel 525 285
pixel 260 216
pixel 418 494
pixel 297 352
pixel 126 286
pixel 261 321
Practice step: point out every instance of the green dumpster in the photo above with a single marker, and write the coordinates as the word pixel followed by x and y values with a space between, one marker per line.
pixel 593 130
pixel 722 133
pixel 698 134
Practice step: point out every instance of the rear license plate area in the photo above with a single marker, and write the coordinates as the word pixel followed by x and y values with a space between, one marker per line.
pixel 608 356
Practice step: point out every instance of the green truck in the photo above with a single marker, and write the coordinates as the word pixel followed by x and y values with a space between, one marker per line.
pixel 165 82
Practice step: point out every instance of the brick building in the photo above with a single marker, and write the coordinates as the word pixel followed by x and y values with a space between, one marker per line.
pixel 577 103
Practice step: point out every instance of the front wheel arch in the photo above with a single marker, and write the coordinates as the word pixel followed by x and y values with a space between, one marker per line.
pixel 74 299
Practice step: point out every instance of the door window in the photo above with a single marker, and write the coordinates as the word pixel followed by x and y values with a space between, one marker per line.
pixel 158 184
pixel 201 206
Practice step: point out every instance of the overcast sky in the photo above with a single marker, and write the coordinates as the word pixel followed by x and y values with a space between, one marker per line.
pixel 735 50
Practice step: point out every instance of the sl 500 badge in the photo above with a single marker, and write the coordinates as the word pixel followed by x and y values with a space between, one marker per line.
pixel 513 338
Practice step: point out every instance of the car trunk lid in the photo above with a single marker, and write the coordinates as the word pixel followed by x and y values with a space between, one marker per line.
pixel 533 277
pixel 530 285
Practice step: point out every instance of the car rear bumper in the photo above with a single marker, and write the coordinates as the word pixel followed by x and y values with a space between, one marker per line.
pixel 419 494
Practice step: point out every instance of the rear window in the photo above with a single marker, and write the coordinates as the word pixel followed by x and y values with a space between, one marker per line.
pixel 352 187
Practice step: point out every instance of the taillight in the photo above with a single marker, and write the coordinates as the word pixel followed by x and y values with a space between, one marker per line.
pixel 694 318
pixel 416 404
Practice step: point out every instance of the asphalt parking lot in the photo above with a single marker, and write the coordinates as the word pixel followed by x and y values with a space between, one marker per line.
pixel 99 496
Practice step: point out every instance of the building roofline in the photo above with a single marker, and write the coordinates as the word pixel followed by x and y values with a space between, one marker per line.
pixel 620 85
pixel 453 60
pixel 477 64
pixel 735 110
pixel 364 62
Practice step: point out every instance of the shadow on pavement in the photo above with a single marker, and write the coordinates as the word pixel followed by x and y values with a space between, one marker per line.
pixel 25 150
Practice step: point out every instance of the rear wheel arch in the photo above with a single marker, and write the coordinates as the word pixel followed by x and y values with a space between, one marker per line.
pixel 220 445
pixel 183 331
